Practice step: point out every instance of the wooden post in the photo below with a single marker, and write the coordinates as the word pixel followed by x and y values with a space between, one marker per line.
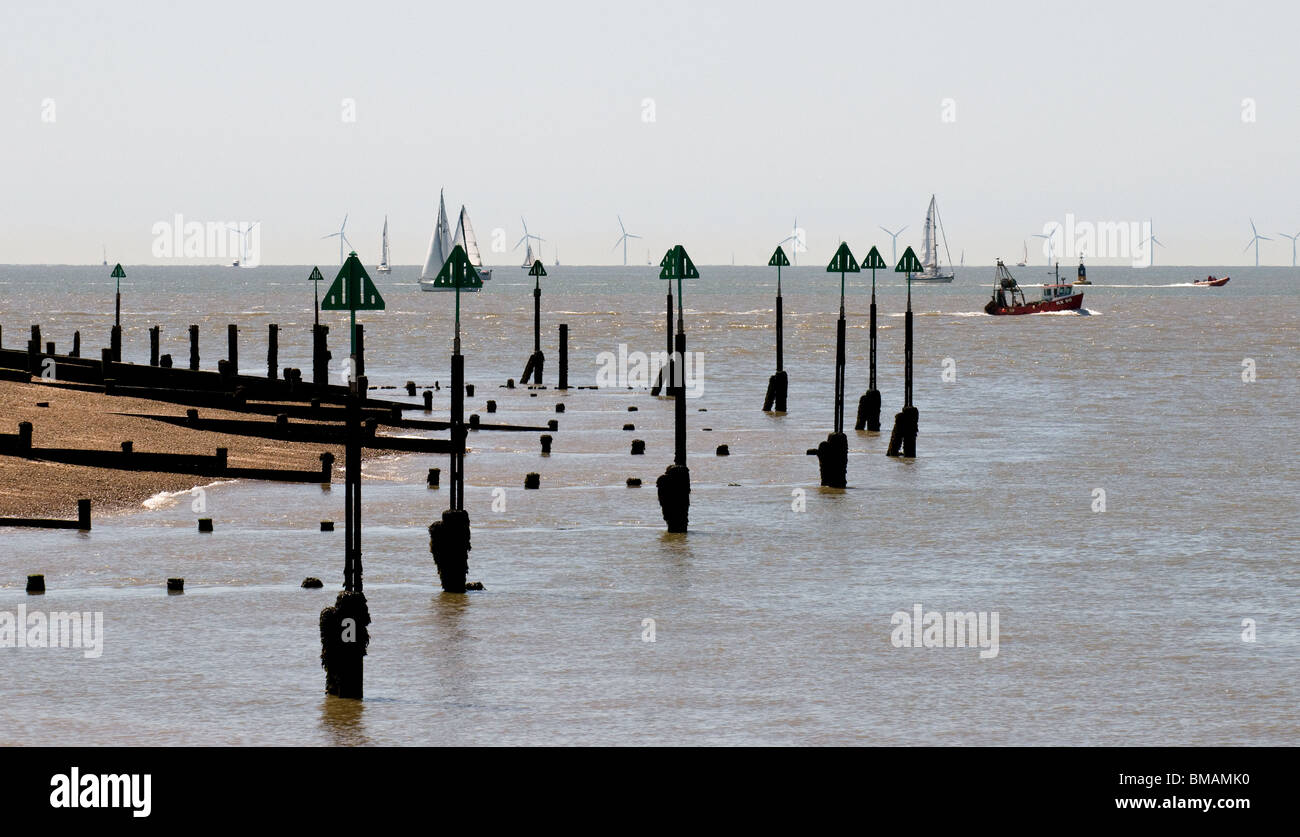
pixel 154 335
pixel 564 356
pixel 320 356
pixel 272 350
pixel 232 351
pixel 194 348
pixel 76 344
pixel 361 355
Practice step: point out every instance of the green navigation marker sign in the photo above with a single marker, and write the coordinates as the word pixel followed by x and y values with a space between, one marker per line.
pixel 118 272
pixel 315 275
pixel 677 265
pixel 778 259
pixel 352 289
pixel 909 263
pixel 537 269
pixel 874 261
pixel 843 261
pixel 458 272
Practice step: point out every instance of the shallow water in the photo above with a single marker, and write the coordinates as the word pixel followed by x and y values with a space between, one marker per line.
pixel 771 625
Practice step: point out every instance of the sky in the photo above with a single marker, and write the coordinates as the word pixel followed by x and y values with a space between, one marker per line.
pixel 712 125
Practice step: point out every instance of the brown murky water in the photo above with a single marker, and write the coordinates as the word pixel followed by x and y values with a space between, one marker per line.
pixel 771 624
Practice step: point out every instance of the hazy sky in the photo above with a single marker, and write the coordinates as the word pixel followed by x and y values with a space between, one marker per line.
pixel 117 116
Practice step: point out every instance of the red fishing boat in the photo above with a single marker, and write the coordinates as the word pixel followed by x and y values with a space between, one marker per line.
pixel 1211 282
pixel 1009 298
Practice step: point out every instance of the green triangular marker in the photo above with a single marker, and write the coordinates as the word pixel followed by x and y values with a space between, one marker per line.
pixel 118 272
pixel 352 289
pixel 843 261
pixel 458 272
pixel 874 261
pixel 315 275
pixel 677 265
pixel 778 259
pixel 909 263
pixel 537 269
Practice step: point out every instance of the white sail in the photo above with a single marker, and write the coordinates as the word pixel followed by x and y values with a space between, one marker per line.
pixel 466 238
pixel 383 250
pixel 440 245
pixel 528 256
pixel 928 259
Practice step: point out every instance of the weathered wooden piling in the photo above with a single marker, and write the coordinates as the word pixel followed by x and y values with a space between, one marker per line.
pixel 779 384
pixel 532 480
pixel 833 454
pixel 311 582
pixel 903 438
pixel 428 401
pixel 115 343
pixel 449 538
pixel 564 356
pixel 344 636
pixel 155 333
pixel 205 524
pixel 674 485
pixel 232 348
pixel 76 344
pixel 49 347
pixel 546 444
pixel 359 358
pixel 320 355
pixel 536 361
pixel 35 584
pixel 869 404
pixel 434 475
pixel 491 406
pixel 175 585
pixel 638 447
pixel 272 350
pixel 327 525
pixel 194 348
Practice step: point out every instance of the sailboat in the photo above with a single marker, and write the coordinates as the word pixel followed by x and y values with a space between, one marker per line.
pixel 440 248
pixel 528 255
pixel 465 238
pixel 384 267
pixel 932 269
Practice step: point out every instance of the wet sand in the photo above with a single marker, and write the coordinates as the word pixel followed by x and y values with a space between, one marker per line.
pixel 78 419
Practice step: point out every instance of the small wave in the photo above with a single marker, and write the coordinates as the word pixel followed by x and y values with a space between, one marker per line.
pixel 167 499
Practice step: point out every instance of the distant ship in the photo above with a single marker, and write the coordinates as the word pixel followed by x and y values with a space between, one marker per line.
pixel 383 251
pixel 932 269
pixel 1009 298
pixel 440 247
pixel 105 255
pixel 1025 260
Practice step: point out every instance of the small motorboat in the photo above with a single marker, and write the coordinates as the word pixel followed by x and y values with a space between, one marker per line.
pixel 1212 282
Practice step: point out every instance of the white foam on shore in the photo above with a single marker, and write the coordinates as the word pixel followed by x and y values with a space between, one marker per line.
pixel 168 499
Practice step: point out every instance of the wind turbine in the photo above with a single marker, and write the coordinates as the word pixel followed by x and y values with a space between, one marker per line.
pixel 798 240
pixel 1152 241
pixel 623 239
pixel 342 237
pixel 243 240
pixel 1293 238
pixel 1051 246
pixel 1256 238
pixel 894 248
pixel 527 237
